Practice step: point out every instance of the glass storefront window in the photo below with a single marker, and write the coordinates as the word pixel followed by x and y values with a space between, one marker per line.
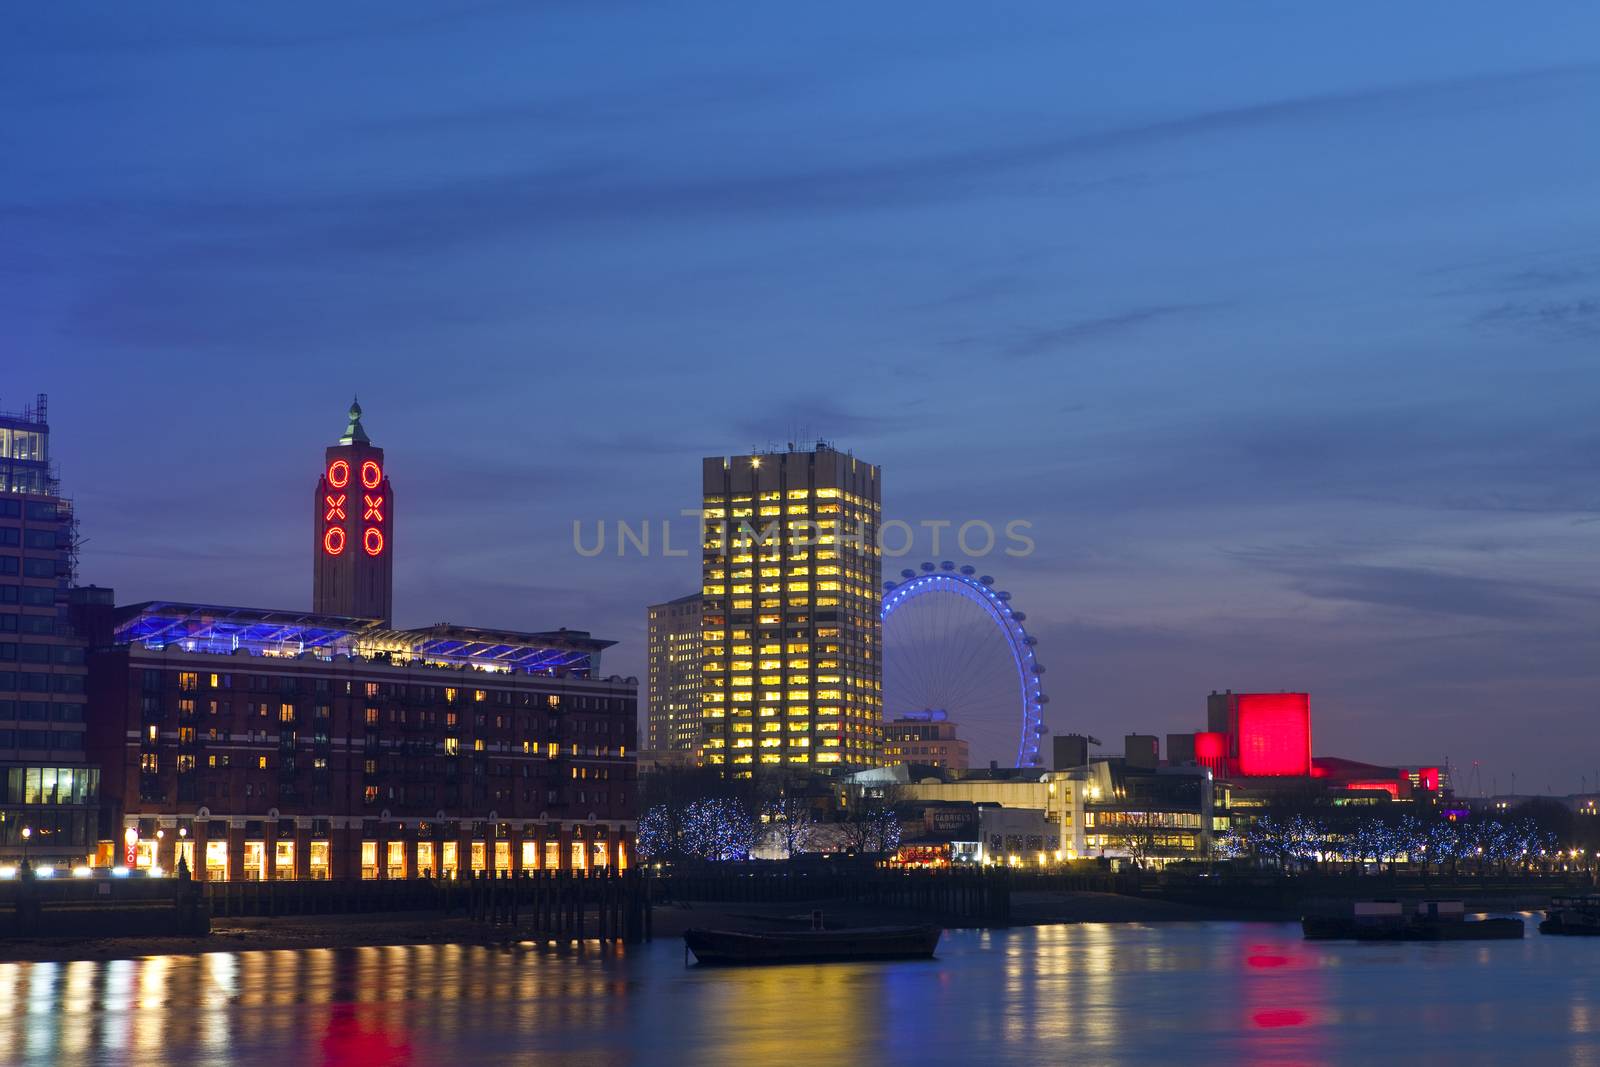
pixel 255 861
pixel 283 861
pixel 552 855
pixel 369 860
pixel 320 868
pixel 502 857
pixel 600 858
pixel 480 856
pixel 396 859
pixel 217 861
pixel 425 867
pixel 577 856
pixel 450 864
pixel 184 852
pixel 530 855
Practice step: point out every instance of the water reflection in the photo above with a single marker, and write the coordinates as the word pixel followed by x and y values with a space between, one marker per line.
pixel 1206 993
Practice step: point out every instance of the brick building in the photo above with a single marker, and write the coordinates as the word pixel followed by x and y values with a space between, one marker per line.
pixel 266 745
pixel 263 744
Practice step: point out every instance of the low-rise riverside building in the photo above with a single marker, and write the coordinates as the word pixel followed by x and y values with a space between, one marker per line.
pixel 268 745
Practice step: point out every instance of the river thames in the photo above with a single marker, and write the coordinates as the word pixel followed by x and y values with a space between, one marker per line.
pixel 1199 993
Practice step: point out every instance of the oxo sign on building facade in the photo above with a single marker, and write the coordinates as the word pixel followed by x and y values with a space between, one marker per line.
pixel 354 529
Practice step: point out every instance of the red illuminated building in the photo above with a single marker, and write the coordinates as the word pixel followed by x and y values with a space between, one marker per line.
pixel 1272 734
pixel 1261 743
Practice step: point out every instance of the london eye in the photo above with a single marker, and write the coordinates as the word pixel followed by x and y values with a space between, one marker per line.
pixel 952 642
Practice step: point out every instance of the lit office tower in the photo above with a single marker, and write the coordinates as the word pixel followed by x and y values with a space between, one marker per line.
pixel 674 675
pixel 49 792
pixel 353 569
pixel 791 643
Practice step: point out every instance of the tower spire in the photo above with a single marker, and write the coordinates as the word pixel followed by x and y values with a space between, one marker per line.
pixel 354 433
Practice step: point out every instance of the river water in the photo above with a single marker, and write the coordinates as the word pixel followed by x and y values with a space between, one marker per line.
pixel 1192 993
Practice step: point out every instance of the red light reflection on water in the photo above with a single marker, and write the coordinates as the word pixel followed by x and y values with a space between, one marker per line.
pixel 348 1041
pixel 1281 1006
pixel 1266 961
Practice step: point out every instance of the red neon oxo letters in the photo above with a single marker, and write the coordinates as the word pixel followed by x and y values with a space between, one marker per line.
pixel 335 507
pixel 374 507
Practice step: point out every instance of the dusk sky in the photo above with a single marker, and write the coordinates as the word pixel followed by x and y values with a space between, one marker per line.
pixel 1280 323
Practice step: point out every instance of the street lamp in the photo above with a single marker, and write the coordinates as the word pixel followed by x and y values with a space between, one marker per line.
pixel 27 834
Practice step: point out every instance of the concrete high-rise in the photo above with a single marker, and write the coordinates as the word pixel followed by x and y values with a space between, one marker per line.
pixel 672 722
pixel 353 530
pixel 791 649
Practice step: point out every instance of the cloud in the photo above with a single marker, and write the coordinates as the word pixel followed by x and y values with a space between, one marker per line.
pixel 799 420
pixel 1317 571
pixel 1556 319
pixel 1095 329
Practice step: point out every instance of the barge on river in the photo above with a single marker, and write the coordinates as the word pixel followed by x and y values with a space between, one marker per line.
pixel 1390 920
pixel 1572 917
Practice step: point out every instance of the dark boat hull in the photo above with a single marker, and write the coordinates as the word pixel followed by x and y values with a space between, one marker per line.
pixel 1323 928
pixel 731 948
pixel 1566 929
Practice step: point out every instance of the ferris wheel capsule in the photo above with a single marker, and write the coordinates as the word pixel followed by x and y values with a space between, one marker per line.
pixel 928 567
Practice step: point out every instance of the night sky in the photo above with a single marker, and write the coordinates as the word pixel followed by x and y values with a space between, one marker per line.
pixel 1279 322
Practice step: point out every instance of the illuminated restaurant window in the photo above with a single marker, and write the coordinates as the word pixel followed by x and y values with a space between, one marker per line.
pixel 480 856
pixel 369 860
pixel 425 867
pixel 449 864
pixel 283 861
pixel 217 861
pixel 396 857
pixel 255 861
pixel 320 867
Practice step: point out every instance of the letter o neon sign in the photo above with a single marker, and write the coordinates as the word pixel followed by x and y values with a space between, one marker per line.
pixel 371 474
pixel 372 541
pixel 333 540
pixel 338 474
